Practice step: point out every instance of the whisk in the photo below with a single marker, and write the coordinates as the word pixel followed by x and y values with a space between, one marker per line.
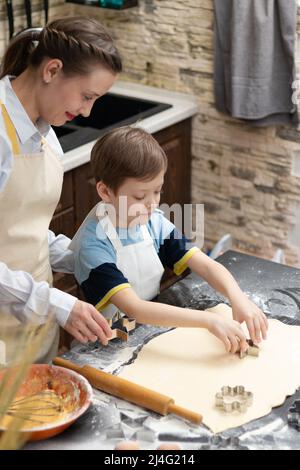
pixel 49 405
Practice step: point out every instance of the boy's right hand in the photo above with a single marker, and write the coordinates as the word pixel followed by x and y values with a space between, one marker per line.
pixel 85 323
pixel 228 331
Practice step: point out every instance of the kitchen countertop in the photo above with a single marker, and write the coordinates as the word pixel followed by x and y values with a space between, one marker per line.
pixel 183 107
pixel 274 287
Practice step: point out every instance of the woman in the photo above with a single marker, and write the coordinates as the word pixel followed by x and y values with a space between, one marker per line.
pixel 47 78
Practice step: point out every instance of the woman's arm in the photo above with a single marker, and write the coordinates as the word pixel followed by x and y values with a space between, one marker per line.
pixel 61 258
pixel 29 300
pixel 242 308
pixel 154 313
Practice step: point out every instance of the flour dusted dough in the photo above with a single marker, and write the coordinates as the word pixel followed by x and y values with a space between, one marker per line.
pixel 191 365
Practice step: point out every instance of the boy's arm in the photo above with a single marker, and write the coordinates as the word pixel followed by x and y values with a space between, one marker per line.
pixel 158 314
pixel 220 279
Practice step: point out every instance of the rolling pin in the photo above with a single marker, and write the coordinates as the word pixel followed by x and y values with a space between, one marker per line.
pixel 130 391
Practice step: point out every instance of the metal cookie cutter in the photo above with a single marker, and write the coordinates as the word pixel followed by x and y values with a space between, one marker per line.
pixel 253 350
pixel 233 398
pixel 121 327
pixel 294 415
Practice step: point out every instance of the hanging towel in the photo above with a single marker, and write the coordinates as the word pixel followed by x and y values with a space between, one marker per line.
pixel 255 60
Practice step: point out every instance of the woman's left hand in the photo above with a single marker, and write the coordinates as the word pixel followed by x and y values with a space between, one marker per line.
pixel 243 310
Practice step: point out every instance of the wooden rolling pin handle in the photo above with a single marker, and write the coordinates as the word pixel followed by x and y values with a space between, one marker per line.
pixel 59 361
pixel 119 387
pixel 184 413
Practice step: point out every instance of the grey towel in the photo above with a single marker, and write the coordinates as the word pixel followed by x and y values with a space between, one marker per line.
pixel 255 60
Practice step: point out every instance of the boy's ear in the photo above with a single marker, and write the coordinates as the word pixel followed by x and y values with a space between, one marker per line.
pixel 103 191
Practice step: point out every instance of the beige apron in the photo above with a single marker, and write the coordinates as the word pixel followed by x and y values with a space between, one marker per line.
pixel 27 205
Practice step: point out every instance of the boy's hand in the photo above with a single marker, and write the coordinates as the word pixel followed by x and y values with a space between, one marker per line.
pixel 245 310
pixel 85 323
pixel 228 331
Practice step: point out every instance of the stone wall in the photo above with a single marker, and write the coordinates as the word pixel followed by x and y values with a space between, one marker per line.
pixel 57 7
pixel 242 175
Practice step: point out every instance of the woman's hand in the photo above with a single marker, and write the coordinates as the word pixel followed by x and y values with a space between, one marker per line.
pixel 228 331
pixel 243 310
pixel 85 323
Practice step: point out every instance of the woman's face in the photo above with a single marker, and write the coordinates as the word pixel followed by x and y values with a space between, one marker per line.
pixel 63 98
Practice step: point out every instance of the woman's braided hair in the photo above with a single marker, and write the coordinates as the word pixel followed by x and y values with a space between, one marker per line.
pixel 80 43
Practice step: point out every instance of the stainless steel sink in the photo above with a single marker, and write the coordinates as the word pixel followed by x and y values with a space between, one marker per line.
pixel 109 111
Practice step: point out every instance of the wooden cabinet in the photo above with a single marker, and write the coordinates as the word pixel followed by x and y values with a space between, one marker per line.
pixel 79 193
pixel 176 142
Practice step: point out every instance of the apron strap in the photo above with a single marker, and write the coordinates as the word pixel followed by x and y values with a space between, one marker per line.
pixel 11 131
pixel 111 232
pixel 145 233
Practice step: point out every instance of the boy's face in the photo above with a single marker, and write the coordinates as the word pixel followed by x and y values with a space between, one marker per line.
pixel 135 200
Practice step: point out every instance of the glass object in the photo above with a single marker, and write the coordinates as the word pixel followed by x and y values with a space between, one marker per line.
pixel 111 3
pixel 116 4
pixel 119 4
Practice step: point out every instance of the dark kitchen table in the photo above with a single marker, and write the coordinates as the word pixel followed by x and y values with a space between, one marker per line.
pixel 273 287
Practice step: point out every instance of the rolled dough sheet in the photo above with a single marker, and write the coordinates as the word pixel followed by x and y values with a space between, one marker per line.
pixel 191 365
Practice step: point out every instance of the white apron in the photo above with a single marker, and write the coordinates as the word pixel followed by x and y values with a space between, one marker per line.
pixel 27 205
pixel 139 262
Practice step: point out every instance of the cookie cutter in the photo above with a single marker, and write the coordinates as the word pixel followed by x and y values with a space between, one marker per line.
pixel 253 350
pixel 218 442
pixel 121 327
pixel 294 415
pixel 233 398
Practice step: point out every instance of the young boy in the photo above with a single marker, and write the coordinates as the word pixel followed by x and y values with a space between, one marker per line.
pixel 125 243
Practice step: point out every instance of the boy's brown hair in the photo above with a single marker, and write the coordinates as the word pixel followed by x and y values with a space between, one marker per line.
pixel 127 152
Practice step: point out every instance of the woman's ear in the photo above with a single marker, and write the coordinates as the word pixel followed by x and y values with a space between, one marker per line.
pixel 103 191
pixel 51 70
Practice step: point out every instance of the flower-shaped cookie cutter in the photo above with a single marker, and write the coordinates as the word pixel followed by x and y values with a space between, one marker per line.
pixel 233 398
